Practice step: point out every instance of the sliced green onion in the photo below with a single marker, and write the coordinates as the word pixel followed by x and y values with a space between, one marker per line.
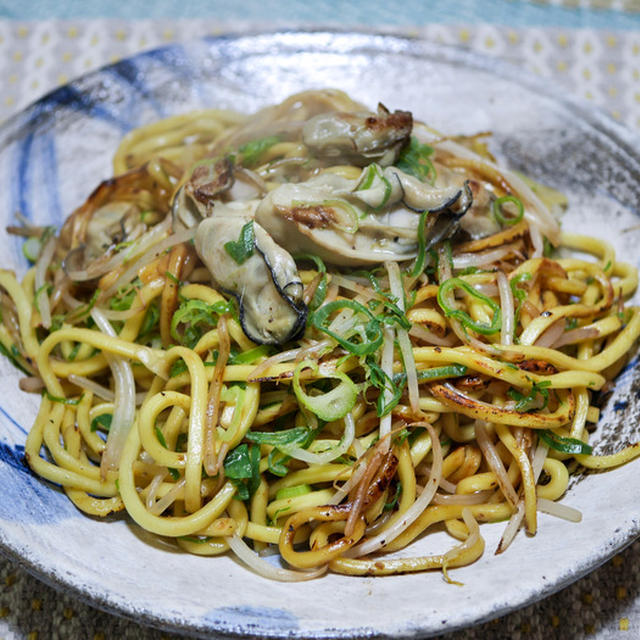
pixel 497 208
pixel 67 401
pixel 196 539
pixel 524 403
pixel 467 321
pixel 369 177
pixel 349 222
pixel 519 294
pixel 328 406
pixel 278 466
pixel 101 422
pixel 379 379
pixel 31 248
pixel 81 312
pixel 14 357
pixel 179 366
pixel 374 180
pixel 160 436
pixel 293 492
pixel 196 315
pixel 253 150
pixel 435 373
pixel 414 160
pixel 563 444
pixel 74 351
pixel 250 356
pixel 372 329
pixel 124 297
pixel 320 293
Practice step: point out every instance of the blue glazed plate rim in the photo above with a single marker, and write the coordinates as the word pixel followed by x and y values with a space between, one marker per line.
pixel 290 42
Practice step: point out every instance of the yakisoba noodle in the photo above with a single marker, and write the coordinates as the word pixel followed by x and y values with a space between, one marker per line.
pixel 318 330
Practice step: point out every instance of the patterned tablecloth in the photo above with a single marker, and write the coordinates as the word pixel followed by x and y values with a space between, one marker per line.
pixel 600 65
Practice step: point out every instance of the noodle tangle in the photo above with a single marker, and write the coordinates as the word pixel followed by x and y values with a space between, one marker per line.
pixel 317 330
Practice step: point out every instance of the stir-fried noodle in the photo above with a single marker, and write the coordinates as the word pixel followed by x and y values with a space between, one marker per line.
pixel 321 330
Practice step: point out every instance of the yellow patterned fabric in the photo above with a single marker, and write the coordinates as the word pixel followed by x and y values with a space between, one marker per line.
pixel 598 66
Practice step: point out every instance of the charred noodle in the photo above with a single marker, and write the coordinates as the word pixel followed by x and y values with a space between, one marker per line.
pixel 320 329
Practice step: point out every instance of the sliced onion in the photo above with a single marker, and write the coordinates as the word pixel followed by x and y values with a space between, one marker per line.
pixel 536 240
pixel 168 498
pixel 395 285
pixel 211 462
pixel 518 515
pixel 575 335
pixel 357 499
pixel 512 528
pixel 530 308
pixel 551 335
pixel 141 245
pixel 464 260
pixel 414 511
pixel 425 469
pixel 100 390
pixel 495 463
pixel 420 332
pixel 266 569
pixel 356 475
pixel 386 363
pixel 31 384
pixel 506 308
pixel 352 285
pixel 124 401
pixel 488 288
pixel 152 489
pixel 287 356
pixel 331 454
pixel 463 498
pixel 154 252
pixel 40 280
pixel 559 510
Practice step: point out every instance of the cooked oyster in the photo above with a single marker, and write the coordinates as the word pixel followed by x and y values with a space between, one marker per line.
pixel 195 198
pixel 345 224
pixel 112 224
pixel 264 280
pixel 358 138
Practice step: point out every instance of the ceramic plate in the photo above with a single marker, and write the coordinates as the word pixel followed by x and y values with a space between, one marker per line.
pixel 55 152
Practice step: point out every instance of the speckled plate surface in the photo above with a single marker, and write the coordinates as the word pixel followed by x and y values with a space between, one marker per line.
pixel 55 152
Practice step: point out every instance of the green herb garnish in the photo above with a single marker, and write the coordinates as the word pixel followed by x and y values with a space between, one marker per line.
pixel 370 333
pixel 563 444
pixel 196 317
pixel 242 467
pixel 414 159
pixel 525 403
pixel 242 249
pixel 252 151
pixel 101 422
